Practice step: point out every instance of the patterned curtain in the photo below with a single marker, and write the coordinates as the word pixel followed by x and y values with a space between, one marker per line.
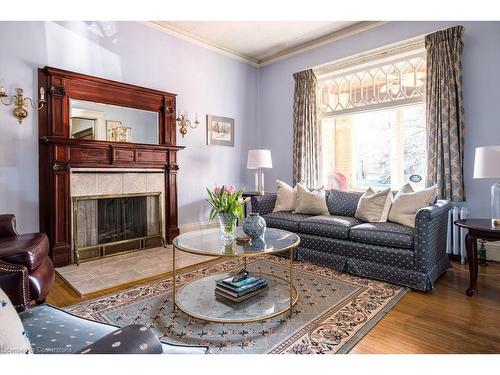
pixel 445 113
pixel 305 130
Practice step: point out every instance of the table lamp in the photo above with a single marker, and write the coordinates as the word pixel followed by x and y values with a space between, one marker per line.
pixel 259 159
pixel 487 165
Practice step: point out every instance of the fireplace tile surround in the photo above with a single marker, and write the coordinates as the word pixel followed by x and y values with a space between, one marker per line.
pixel 100 181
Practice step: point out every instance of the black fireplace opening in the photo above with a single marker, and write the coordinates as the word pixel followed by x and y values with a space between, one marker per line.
pixel 122 218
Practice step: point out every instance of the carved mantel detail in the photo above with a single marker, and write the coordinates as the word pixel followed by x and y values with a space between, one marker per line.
pixel 57 90
pixel 56 167
pixel 58 153
pixel 172 167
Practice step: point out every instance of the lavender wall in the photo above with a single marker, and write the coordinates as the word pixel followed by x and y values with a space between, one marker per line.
pixel 480 78
pixel 206 82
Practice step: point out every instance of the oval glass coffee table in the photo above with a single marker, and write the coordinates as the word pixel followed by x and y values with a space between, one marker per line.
pixel 197 298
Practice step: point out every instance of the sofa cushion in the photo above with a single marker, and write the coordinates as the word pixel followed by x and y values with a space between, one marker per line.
pixel 342 202
pixel 132 339
pixel 285 220
pixel 385 234
pixel 52 330
pixel 263 204
pixel 329 226
pixel 26 249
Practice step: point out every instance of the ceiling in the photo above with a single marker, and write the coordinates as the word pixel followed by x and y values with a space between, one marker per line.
pixel 262 41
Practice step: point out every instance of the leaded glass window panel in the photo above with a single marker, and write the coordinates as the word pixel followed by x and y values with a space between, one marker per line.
pixel 378 85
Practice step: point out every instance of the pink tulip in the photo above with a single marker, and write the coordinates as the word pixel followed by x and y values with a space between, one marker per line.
pixel 217 190
pixel 229 189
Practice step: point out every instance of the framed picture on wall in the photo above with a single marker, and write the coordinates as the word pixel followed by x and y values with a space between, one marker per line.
pixel 220 131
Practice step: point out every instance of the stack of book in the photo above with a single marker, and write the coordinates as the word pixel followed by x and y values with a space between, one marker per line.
pixel 228 290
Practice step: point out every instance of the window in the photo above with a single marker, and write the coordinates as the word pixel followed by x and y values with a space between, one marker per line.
pixel 372 121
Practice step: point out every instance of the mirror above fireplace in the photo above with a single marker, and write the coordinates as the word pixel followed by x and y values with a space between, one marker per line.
pixel 112 123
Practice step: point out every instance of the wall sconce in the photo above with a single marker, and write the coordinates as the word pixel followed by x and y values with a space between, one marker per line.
pixel 184 122
pixel 21 103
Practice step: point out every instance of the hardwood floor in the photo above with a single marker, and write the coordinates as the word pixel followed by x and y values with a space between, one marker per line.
pixel 444 321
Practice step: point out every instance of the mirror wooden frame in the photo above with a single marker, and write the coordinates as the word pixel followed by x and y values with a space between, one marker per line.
pixel 58 153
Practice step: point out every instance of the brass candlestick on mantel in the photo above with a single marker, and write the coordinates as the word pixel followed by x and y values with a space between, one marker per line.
pixel 21 103
pixel 184 122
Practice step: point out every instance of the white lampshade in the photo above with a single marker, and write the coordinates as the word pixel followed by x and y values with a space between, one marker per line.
pixel 259 159
pixel 487 162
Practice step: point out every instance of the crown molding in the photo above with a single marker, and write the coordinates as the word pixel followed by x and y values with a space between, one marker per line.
pixel 318 42
pixel 329 38
pixel 172 30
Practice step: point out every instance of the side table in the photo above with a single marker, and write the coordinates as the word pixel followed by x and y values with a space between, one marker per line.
pixel 479 229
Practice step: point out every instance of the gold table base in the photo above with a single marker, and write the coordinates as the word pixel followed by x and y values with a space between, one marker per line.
pixel 290 282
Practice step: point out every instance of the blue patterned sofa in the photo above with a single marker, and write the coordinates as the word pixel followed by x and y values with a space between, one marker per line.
pixel 54 331
pixel 414 257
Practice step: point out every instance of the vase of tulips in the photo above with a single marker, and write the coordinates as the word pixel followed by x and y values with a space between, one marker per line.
pixel 227 204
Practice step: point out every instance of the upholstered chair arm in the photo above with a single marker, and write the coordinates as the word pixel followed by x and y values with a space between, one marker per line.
pixel 263 204
pixel 14 282
pixel 431 225
pixel 132 339
pixel 8 226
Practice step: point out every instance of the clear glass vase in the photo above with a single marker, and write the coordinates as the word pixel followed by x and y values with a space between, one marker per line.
pixel 227 226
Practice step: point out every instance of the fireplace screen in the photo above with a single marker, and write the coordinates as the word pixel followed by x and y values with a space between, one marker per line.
pixel 110 225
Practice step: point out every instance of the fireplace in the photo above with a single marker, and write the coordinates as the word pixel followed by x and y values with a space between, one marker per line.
pixel 105 225
pixel 63 159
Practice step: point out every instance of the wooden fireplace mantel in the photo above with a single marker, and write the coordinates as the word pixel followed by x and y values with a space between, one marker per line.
pixel 58 153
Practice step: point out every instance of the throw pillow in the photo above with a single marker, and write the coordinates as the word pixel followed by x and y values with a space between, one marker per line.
pixel 373 207
pixel 286 197
pixel 407 202
pixel 311 202
pixel 405 189
pixel 343 202
pixel 13 339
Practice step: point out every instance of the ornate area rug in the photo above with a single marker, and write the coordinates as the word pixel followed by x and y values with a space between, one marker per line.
pixel 333 313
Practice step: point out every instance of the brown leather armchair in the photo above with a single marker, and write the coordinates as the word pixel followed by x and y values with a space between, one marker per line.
pixel 26 271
